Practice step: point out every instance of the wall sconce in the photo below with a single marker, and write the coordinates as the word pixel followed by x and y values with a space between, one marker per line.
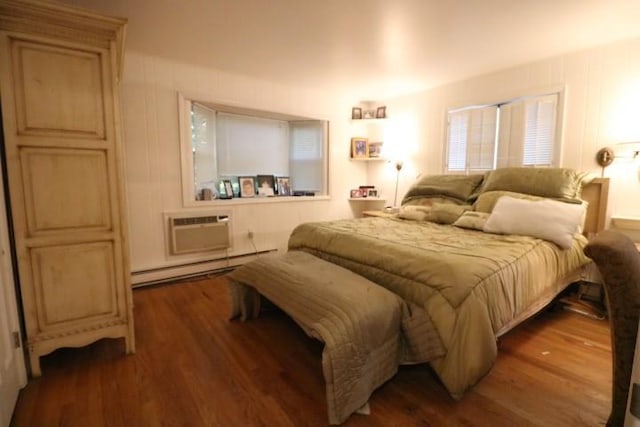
pixel 604 157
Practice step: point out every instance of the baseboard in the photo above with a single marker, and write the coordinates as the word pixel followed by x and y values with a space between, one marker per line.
pixel 182 271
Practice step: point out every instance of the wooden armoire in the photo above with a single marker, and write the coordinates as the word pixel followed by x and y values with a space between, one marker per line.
pixel 59 74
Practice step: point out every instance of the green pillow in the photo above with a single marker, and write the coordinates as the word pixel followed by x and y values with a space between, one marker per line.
pixel 556 183
pixel 446 213
pixel 458 187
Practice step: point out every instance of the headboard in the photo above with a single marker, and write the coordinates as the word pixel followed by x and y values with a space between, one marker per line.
pixel 597 194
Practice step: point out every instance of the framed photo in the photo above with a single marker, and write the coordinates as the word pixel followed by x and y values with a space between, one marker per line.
pixel 266 185
pixel 381 112
pixel 356 113
pixel 359 148
pixel 284 186
pixel 228 189
pixel 356 193
pixel 372 192
pixel 247 186
pixel 375 149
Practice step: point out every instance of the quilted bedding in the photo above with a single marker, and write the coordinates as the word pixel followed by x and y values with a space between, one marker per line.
pixel 471 285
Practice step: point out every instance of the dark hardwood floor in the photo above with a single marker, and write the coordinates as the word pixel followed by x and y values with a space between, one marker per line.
pixel 194 367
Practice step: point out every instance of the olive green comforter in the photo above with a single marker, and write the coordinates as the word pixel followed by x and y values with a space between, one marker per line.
pixel 472 285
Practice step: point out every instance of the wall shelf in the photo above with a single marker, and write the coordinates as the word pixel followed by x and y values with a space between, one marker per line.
pixel 367 199
pixel 367 159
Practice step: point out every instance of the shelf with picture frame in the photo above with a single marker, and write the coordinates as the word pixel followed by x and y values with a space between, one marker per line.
pixel 364 150
pixel 368 112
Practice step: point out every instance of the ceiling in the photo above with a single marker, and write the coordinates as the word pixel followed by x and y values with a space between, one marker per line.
pixel 376 47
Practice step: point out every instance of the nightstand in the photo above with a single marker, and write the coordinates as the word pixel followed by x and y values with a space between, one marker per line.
pixel 380 214
pixel 589 299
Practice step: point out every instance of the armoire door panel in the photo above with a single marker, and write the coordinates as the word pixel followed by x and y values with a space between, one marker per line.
pixel 59 90
pixel 65 189
pixel 74 283
pixel 62 140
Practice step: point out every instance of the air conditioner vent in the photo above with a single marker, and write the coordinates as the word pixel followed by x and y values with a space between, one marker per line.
pixel 199 234
pixel 195 220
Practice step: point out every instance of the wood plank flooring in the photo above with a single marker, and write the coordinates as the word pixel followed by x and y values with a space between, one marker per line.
pixel 194 367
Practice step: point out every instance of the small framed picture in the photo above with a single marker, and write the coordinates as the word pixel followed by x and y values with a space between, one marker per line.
pixel 356 113
pixel 247 186
pixel 228 188
pixel 372 192
pixel 381 112
pixel 375 149
pixel 356 193
pixel 266 185
pixel 359 148
pixel 284 186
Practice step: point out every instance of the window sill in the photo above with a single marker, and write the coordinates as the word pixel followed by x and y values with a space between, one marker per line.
pixel 237 201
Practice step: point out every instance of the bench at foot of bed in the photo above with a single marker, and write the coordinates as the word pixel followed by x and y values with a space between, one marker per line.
pixel 358 321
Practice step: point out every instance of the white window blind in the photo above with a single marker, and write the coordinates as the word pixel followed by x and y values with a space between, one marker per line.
pixel 306 156
pixel 251 145
pixel 457 148
pixel 472 139
pixel 540 129
pixel 518 133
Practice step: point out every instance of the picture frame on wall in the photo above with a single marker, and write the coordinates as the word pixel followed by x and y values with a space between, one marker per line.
pixel 284 186
pixel 266 185
pixel 247 186
pixel 359 148
pixel 375 150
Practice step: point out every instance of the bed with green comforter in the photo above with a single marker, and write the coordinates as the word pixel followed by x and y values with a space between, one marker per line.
pixel 472 255
pixel 471 285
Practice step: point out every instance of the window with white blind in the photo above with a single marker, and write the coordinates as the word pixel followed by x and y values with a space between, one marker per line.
pixel 521 132
pixel 224 145
pixel 307 162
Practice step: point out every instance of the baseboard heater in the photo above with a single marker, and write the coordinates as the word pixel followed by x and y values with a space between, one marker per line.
pixel 176 273
pixel 199 234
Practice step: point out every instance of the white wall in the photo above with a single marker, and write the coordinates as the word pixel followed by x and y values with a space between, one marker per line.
pixel 152 156
pixel 602 108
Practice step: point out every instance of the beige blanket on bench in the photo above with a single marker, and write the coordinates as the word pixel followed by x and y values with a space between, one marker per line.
pixel 359 321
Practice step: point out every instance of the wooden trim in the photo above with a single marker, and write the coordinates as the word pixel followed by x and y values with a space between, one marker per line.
pixel 597 194
pixel 69 23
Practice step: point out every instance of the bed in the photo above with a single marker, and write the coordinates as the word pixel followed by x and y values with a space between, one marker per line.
pixel 471 286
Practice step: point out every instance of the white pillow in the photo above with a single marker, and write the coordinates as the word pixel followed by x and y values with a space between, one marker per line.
pixel 550 220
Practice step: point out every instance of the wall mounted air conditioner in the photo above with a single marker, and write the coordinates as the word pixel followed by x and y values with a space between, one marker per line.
pixel 199 234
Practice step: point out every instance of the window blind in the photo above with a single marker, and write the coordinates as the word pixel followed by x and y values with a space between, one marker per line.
pixel 472 139
pixel 518 133
pixel 306 160
pixel 457 147
pixel 251 145
pixel 539 135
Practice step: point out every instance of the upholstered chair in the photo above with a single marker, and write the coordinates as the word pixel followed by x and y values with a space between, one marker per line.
pixel 619 263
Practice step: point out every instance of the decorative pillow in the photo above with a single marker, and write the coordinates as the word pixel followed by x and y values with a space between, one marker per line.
pixel 415 213
pixel 451 186
pixel 446 213
pixel 546 219
pixel 556 183
pixel 428 201
pixel 487 200
pixel 473 220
